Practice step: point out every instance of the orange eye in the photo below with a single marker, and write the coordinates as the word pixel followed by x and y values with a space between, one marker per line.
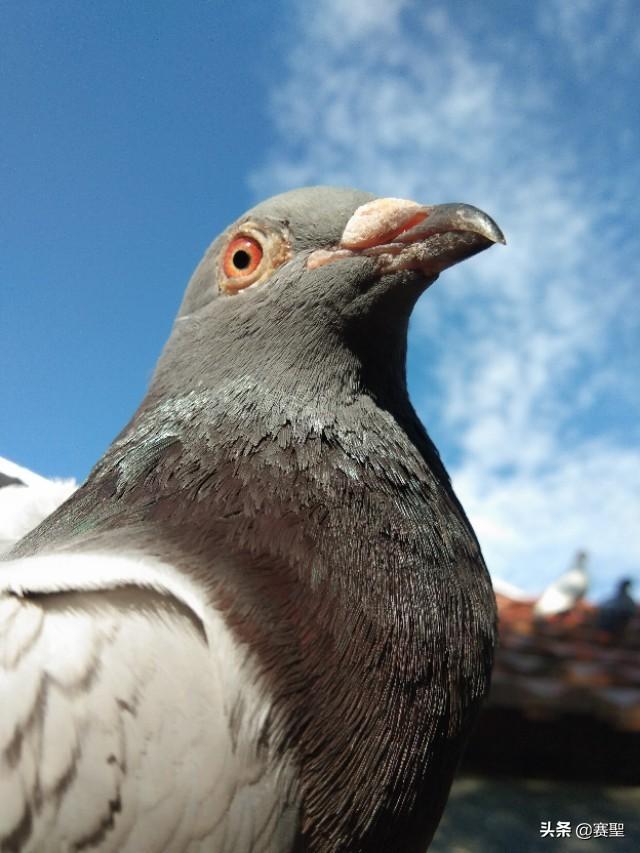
pixel 242 257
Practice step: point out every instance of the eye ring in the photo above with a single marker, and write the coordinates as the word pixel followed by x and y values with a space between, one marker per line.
pixel 250 256
pixel 242 257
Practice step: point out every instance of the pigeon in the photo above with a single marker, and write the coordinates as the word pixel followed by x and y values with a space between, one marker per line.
pixel 264 623
pixel 25 500
pixel 615 614
pixel 566 591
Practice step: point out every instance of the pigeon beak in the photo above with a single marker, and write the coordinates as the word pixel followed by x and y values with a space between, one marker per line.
pixel 404 235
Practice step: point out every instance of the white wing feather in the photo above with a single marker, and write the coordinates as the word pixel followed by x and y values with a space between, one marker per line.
pixel 26 500
pixel 116 694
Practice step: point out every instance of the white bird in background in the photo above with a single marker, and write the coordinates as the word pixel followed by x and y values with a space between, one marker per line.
pixel 26 499
pixel 565 592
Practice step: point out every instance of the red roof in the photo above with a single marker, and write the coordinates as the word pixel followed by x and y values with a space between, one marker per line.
pixel 565 664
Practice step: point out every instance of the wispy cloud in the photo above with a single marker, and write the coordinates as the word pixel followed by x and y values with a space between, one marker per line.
pixel 595 32
pixel 520 358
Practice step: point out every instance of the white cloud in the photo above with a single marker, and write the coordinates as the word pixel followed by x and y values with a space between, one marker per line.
pixel 595 32
pixel 521 345
pixel 532 523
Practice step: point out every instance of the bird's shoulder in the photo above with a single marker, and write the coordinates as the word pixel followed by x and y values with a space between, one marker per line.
pixel 129 715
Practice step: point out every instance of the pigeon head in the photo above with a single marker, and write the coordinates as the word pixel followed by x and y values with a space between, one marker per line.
pixel 315 276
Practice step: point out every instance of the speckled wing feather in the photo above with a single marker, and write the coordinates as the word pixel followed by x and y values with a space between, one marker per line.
pixel 129 721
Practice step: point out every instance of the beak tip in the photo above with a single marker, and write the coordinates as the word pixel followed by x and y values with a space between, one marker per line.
pixel 498 236
pixel 487 226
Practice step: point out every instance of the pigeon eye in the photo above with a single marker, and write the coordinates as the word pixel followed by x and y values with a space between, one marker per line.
pixel 242 257
pixel 251 255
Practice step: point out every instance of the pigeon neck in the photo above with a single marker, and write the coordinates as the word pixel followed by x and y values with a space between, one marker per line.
pixel 325 357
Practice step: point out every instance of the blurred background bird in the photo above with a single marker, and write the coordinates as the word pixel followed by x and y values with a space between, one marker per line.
pixel 565 592
pixel 616 613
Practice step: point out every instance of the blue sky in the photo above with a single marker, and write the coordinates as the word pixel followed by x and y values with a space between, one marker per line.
pixel 133 133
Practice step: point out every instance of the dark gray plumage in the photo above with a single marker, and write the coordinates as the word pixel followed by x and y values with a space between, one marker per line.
pixel 615 614
pixel 7 480
pixel 277 463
